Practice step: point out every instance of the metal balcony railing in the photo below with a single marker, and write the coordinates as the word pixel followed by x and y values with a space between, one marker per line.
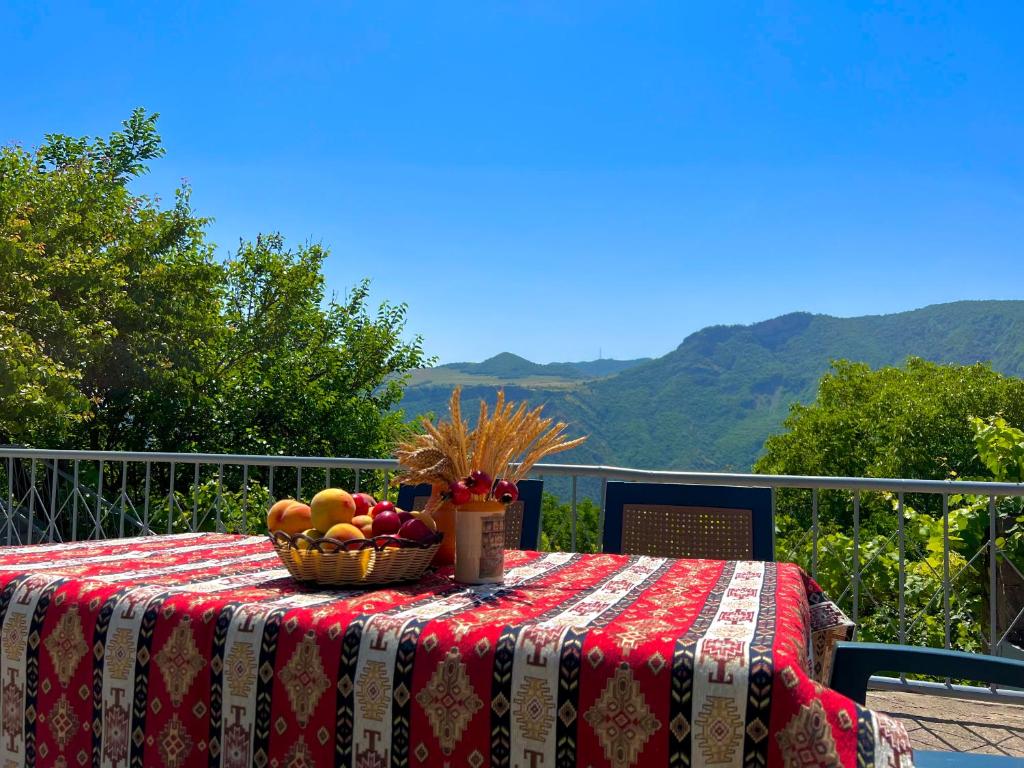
pixel 870 563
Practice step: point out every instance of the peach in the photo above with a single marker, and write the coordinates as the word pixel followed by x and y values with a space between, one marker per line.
pixel 367 530
pixel 331 507
pixel 295 518
pixel 360 521
pixel 341 532
pixel 275 512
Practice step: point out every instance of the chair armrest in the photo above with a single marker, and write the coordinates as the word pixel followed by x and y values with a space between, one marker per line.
pixel 854 663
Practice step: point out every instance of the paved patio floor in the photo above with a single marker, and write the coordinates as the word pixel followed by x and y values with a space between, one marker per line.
pixel 955 725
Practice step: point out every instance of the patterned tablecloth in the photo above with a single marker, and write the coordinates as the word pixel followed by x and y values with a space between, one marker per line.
pixel 200 650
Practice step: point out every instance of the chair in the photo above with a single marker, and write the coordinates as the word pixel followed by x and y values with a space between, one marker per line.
pixel 522 517
pixel 701 521
pixel 854 663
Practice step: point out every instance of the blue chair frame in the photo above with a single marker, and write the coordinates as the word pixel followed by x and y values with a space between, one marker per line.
pixel 530 494
pixel 854 663
pixel 757 500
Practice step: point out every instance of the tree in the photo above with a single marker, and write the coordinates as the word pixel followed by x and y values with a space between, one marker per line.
pixel 120 330
pixel 893 422
pixel 556 526
pixel 920 421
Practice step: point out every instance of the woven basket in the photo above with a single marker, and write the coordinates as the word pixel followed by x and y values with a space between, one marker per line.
pixel 357 562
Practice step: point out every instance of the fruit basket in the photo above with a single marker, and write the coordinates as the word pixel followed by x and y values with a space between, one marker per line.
pixel 355 562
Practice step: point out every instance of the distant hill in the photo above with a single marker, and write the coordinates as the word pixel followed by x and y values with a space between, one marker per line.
pixel 711 402
pixel 506 368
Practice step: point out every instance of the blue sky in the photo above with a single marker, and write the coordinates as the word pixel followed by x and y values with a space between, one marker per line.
pixel 556 179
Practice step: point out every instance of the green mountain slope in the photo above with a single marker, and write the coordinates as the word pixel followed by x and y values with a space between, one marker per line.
pixel 711 402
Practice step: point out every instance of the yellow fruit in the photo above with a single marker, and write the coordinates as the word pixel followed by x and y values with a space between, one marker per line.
pixel 275 512
pixel 312 533
pixel 294 519
pixel 331 507
pixel 341 532
pixel 361 521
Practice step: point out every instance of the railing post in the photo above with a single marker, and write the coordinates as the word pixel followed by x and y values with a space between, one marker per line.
pixel 600 522
pixel 124 497
pixel 993 555
pixel 945 567
pixel 245 498
pixel 902 570
pixel 31 502
pixel 814 533
pixel 51 529
pixel 218 499
pixel 74 505
pixel 195 499
pixel 170 502
pixel 572 530
pixel 856 557
pixel 145 507
pixel 10 498
pixel 298 483
pixel 98 529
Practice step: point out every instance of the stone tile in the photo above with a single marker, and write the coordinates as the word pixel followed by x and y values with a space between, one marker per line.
pixel 955 725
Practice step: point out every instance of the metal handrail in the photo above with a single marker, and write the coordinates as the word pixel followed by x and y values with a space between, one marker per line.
pixel 607 472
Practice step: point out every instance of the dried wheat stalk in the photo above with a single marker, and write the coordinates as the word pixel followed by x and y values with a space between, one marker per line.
pixel 506 443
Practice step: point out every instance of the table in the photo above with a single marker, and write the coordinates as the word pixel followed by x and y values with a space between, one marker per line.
pixel 198 649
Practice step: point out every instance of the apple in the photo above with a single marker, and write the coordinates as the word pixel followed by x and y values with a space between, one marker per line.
pixel 382 506
pixel 387 522
pixel 416 530
pixel 330 507
pixel 364 503
pixel 404 516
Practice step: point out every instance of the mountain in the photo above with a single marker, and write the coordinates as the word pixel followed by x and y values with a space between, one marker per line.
pixel 506 368
pixel 710 403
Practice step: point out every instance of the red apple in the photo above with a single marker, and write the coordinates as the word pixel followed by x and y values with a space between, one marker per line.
pixel 404 516
pixel 416 530
pixel 386 522
pixel 382 506
pixel 364 503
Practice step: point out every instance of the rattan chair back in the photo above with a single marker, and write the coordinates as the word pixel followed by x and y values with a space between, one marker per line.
pixel 695 521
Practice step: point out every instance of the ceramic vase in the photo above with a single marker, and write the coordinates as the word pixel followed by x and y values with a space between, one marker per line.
pixel 480 543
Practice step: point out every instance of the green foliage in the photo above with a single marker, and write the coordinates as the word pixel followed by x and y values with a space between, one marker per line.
pixel 201 507
pixel 120 330
pixel 917 422
pixel 912 421
pixel 556 525
pixel 1000 448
